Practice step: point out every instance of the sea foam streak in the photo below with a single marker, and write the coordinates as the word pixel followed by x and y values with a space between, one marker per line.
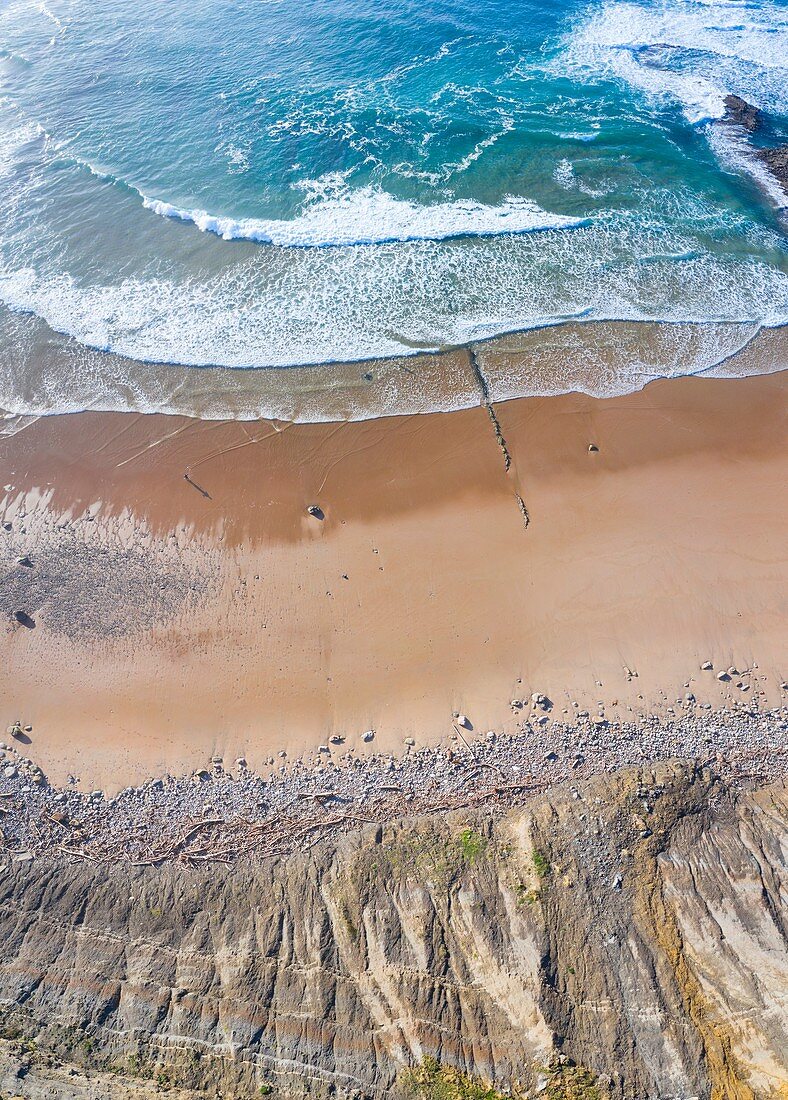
pixel 367 216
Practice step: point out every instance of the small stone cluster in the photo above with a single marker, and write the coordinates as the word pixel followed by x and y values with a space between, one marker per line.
pixel 215 814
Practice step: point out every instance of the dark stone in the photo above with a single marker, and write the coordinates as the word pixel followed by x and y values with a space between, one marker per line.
pixel 741 113
pixel 776 160
pixel 738 110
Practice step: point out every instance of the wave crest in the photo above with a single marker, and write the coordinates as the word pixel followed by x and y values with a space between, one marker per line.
pixel 340 217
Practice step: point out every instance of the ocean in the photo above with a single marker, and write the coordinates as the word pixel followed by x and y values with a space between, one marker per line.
pixel 243 185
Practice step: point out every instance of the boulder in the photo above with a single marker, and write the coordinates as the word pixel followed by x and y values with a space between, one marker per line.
pixel 742 113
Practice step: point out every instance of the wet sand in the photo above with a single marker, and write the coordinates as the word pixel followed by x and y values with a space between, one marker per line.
pixel 178 619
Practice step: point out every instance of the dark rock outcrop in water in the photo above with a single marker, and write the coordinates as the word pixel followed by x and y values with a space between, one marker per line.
pixel 776 160
pixel 741 113
pixel 633 924
pixel 738 110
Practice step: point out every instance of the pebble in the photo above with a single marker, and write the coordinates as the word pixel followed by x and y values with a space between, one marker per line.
pixel 368 736
pixel 707 666
pixel 547 751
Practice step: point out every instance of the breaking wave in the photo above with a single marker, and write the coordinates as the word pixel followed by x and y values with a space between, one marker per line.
pixel 365 216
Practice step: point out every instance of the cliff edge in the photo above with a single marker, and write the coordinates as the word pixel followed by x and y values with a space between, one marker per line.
pixel 623 936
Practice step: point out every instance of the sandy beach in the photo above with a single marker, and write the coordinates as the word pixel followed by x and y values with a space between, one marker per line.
pixel 179 601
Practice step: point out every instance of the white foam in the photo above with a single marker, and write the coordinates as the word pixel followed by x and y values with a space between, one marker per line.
pixel 735 153
pixel 60 375
pixel 690 52
pixel 48 14
pixel 368 216
pixel 289 307
pixel 564 174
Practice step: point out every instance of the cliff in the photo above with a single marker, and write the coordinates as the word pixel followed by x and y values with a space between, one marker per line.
pixel 632 924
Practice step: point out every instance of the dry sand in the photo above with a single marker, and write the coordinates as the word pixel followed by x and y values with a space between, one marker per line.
pixel 177 619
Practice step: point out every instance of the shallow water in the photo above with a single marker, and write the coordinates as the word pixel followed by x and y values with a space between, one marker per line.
pixel 256 184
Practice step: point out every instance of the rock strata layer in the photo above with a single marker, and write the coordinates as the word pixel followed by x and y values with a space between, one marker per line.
pixel 633 924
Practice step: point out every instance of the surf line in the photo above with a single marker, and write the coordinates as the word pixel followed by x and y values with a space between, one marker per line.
pixel 500 439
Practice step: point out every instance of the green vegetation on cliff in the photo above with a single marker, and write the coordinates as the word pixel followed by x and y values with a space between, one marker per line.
pixel 432 1081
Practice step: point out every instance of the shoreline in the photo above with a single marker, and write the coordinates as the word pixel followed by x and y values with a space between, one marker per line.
pixel 182 602
pixel 602 359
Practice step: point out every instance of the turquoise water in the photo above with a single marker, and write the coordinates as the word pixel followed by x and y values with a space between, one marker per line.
pixel 267 183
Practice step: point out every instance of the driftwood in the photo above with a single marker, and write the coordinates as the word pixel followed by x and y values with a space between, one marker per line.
pixel 459 733
pixel 304 821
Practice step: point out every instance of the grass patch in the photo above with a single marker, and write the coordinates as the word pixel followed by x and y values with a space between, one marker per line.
pixel 431 856
pixel 347 919
pixel 571 1083
pixel 472 844
pixel 541 865
pixel 429 1080
pixel 527 896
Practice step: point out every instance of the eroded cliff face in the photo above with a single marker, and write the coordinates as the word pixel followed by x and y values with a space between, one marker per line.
pixel 634 924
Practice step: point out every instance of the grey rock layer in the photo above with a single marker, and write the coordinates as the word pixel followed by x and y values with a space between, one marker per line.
pixel 633 922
